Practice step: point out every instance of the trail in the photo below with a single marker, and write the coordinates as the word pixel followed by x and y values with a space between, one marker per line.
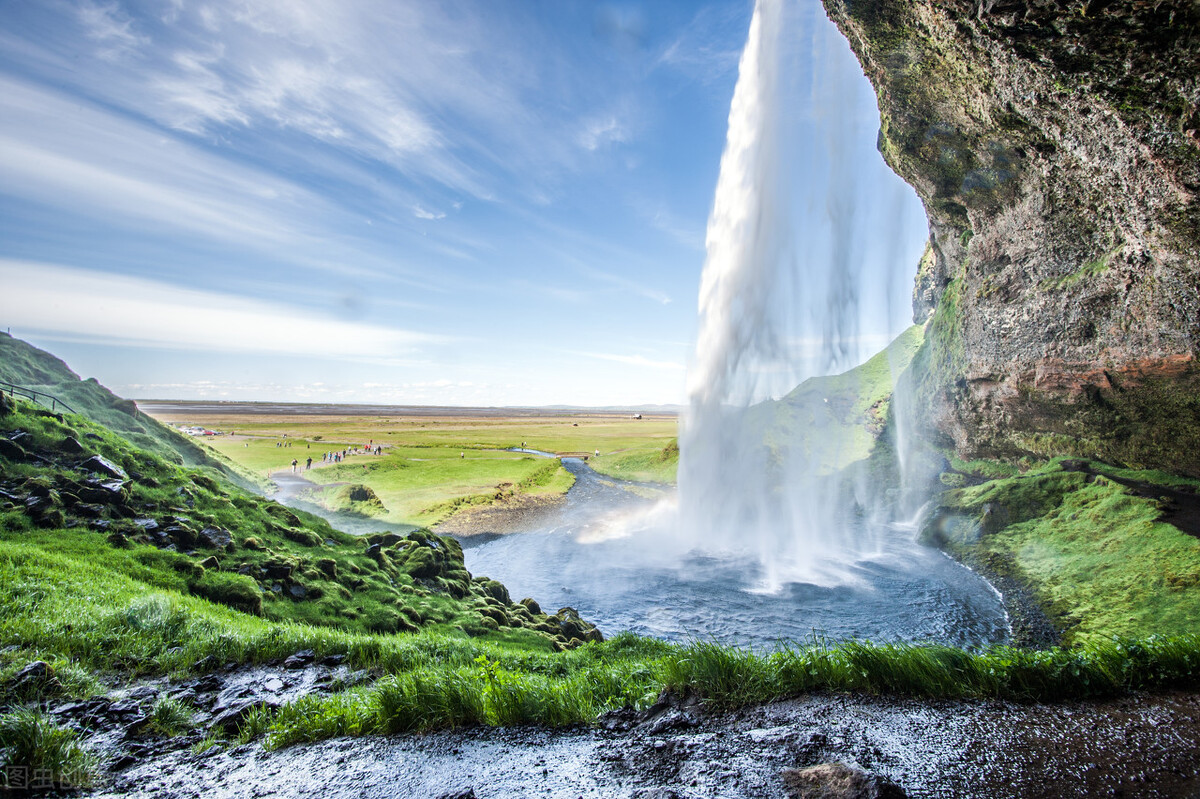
pixel 1136 746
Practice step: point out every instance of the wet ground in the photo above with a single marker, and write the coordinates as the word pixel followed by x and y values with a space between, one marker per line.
pixel 1144 746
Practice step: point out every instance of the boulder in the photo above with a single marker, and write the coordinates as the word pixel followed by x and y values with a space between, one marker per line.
pixel 214 538
pixel 98 463
pixel 277 570
pixel 71 446
pixel 299 660
pixel 838 781
pixel 11 450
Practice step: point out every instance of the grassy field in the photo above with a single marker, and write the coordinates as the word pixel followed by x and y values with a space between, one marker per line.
pixel 431 466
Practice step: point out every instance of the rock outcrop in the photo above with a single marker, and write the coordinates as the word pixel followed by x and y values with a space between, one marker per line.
pixel 1056 147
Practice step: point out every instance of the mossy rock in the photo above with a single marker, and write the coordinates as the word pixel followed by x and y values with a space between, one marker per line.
pixel 497 591
pixel 302 537
pixel 234 590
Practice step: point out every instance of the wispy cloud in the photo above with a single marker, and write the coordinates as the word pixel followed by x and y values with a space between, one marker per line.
pixel 601 132
pixel 420 212
pixel 704 50
pixel 59 300
pixel 633 360
pixel 105 24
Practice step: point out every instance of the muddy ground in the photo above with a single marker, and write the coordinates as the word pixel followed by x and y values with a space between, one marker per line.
pixel 1136 746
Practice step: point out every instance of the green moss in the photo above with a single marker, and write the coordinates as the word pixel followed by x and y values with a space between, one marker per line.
pixel 1094 552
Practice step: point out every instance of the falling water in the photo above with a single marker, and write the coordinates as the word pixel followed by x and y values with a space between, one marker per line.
pixel 771 537
pixel 774 308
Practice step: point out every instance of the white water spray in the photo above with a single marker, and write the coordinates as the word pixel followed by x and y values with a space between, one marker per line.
pixel 779 300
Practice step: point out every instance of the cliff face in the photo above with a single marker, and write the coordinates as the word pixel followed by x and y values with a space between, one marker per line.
pixel 1056 146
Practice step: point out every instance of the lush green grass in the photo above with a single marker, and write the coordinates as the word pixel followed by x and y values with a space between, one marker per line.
pixel 85 614
pixel 35 753
pixel 422 486
pixel 831 422
pixel 26 365
pixel 433 466
pixel 648 463
pixel 331 578
pixel 1094 553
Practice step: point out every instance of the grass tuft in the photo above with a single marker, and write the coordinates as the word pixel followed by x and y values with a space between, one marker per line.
pixel 37 753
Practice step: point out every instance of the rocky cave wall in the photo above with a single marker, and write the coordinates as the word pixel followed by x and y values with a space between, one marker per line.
pixel 1056 147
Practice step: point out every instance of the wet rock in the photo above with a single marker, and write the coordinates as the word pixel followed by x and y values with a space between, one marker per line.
pixel 122 762
pixel 148 525
pixel 468 793
pixel 214 538
pixel 333 660
pixel 210 563
pixel 838 781
pixel 277 570
pixel 38 674
pixel 88 510
pixel 11 450
pixel 71 446
pixel 21 438
pixel 98 463
pixel 182 536
pixel 103 492
pixel 300 659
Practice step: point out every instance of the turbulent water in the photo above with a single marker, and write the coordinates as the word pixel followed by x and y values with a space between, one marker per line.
pixel 605 558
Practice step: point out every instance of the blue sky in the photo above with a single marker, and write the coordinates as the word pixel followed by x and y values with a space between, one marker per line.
pixel 466 203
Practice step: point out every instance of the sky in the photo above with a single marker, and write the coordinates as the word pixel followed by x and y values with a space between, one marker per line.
pixel 398 201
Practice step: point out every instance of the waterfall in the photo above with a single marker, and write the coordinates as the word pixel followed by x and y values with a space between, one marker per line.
pixel 779 301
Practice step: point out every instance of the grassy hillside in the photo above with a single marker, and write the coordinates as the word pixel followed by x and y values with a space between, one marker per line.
pixel 75 491
pixel 1104 551
pixel 831 422
pixel 25 365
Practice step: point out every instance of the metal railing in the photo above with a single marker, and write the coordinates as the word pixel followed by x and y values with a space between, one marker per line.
pixel 51 401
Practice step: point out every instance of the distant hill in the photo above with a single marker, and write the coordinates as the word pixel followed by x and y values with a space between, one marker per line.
pixel 25 365
pixel 849 411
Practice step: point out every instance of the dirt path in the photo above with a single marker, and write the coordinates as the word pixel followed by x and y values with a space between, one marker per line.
pixel 1144 746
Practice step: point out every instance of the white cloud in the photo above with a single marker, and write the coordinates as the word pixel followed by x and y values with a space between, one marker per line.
pixel 133 312
pixel 600 132
pixel 105 24
pixel 420 212
pixel 633 360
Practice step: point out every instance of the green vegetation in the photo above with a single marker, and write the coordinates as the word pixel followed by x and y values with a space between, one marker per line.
pixel 176 529
pixel 1086 539
pixel 170 571
pixel 834 421
pixel 432 467
pixel 648 463
pixel 169 717
pixel 35 753
pixel 30 367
